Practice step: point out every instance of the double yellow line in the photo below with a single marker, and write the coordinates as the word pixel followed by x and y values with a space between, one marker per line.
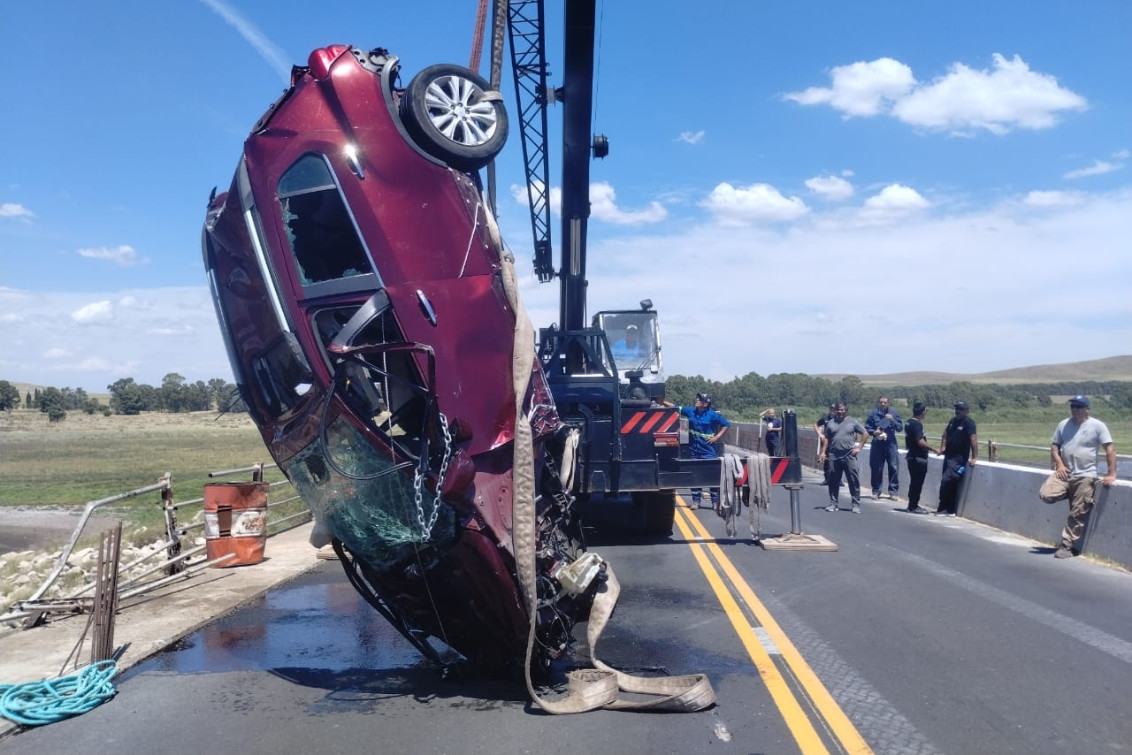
pixel 806 692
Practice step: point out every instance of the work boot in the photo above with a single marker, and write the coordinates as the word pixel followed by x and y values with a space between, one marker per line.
pixel 1063 552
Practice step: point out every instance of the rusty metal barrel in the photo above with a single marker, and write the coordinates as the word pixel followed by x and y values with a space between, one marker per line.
pixel 235 522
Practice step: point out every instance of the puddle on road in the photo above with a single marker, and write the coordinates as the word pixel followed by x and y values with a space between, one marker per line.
pixel 316 622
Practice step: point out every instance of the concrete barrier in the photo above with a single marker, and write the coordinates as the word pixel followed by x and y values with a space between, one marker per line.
pixel 1004 496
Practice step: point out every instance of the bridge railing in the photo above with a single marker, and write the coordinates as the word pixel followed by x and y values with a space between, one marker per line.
pixel 167 561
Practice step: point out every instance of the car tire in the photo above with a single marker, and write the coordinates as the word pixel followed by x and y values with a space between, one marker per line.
pixel 446 112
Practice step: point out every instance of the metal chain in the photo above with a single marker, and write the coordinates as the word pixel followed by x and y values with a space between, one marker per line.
pixel 418 483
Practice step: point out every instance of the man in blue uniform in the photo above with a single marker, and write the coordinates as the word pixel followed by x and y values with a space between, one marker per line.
pixel 773 431
pixel 705 427
pixel 882 424
pixel 629 346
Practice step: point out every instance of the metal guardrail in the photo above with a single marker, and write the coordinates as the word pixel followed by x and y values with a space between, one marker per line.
pixel 178 564
pixel 751 435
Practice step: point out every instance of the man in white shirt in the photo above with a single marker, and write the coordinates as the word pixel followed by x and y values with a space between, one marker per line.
pixel 1073 450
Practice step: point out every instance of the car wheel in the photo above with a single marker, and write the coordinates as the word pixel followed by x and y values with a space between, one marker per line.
pixel 447 112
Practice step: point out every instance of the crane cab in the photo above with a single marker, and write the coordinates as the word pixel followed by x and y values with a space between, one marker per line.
pixel 634 344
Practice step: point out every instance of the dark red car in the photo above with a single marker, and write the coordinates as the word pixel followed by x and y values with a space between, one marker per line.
pixel 358 281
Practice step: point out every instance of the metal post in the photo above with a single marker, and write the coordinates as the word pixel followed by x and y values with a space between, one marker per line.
pixel 795 510
pixel 171 533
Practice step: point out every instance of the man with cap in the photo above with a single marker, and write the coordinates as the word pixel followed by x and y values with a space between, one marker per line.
pixel 917 458
pixel 705 427
pixel 1073 451
pixel 960 450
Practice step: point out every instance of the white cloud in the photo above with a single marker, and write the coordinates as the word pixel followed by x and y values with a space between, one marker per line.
pixel 861 89
pixel 11 317
pixel 691 137
pixel 603 206
pixel 993 270
pixel 757 203
pixel 93 364
pixel 833 188
pixel 1006 97
pixel 116 341
pixel 892 203
pixel 266 49
pixel 1098 168
pixel 12 210
pixel 124 256
pixel 1053 199
pixel 95 312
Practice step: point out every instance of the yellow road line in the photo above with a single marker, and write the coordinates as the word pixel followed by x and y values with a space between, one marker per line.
pixel 839 724
pixel 796 719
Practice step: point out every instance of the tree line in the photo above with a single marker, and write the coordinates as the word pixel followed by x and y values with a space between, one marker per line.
pixel 750 394
pixel 741 397
pixel 127 396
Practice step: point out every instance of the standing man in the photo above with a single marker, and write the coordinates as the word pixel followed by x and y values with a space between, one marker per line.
pixel 1073 450
pixel 917 457
pixel 705 427
pixel 882 424
pixel 819 428
pixel 959 449
pixel 840 445
pixel 773 431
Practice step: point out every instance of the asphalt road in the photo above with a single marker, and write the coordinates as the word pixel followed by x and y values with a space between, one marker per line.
pixel 919 635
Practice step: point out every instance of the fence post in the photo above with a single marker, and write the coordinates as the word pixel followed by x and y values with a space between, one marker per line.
pixel 173 536
pixel 992 450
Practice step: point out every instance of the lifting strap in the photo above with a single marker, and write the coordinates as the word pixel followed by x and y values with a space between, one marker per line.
pixel 588 689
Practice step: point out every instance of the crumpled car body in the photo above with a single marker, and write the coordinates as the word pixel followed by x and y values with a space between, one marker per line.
pixel 357 278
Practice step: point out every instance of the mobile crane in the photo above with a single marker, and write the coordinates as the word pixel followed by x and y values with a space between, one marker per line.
pixel 629 443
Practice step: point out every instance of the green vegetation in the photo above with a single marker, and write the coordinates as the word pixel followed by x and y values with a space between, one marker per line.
pixel 93 457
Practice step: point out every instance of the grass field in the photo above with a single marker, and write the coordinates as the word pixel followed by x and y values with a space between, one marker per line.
pixel 89 457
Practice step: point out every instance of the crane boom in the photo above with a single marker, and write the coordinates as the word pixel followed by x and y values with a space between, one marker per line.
pixel 576 116
pixel 525 27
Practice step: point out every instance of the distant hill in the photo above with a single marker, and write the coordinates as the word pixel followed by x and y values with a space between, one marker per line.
pixel 1109 368
pixel 26 388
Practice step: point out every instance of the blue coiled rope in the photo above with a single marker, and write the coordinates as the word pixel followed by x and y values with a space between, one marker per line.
pixel 51 700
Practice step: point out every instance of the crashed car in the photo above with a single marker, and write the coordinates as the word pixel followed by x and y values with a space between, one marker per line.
pixel 359 283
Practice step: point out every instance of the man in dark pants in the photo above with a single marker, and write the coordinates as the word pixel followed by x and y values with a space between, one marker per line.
pixel 819 428
pixel 840 445
pixel 917 457
pixel 960 450
pixel 882 424
pixel 773 431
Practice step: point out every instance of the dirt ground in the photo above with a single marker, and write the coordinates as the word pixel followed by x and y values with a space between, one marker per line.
pixel 39 528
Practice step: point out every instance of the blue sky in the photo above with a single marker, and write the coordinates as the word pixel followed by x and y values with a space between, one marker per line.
pixel 799 187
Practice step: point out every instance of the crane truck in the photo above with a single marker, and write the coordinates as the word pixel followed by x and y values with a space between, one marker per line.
pixel 629 442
